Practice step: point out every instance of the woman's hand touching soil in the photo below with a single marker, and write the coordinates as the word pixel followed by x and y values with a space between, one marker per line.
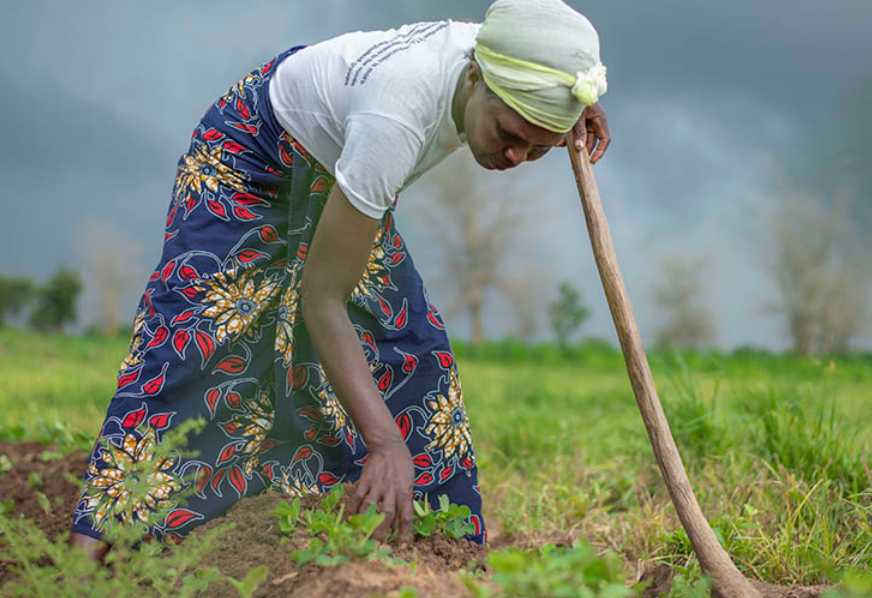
pixel 386 482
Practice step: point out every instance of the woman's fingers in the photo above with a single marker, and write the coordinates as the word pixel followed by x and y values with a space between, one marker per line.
pixel 405 514
pixel 388 509
pixel 598 127
pixel 357 500
pixel 579 132
pixel 600 150
pixel 591 139
pixel 386 481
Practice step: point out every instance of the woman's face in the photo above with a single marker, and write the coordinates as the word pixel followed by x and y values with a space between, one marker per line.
pixel 499 137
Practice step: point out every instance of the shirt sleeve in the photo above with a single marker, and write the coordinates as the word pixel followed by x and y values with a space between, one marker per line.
pixel 377 158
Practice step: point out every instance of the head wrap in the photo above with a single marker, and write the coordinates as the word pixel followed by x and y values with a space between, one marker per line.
pixel 541 58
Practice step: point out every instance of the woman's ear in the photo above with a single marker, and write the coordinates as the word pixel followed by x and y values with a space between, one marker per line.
pixel 473 74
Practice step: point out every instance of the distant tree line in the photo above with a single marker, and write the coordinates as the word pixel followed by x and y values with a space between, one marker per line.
pixel 49 307
pixel 811 248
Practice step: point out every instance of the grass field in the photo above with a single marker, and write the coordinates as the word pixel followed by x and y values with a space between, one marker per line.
pixel 777 447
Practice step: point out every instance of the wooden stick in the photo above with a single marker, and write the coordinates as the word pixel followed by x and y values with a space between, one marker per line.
pixel 727 581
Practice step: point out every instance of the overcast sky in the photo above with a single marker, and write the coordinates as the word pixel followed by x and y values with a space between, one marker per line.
pixel 709 104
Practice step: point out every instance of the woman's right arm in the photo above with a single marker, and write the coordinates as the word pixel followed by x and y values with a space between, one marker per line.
pixel 336 259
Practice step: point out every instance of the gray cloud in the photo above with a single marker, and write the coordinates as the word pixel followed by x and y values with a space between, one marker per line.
pixel 706 99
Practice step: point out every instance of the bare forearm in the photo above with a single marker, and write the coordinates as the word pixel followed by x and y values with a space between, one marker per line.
pixel 340 250
pixel 342 356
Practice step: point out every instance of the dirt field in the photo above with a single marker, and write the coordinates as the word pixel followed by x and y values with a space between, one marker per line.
pixel 17 485
pixel 255 540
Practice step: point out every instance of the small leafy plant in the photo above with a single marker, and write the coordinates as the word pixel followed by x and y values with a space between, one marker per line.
pixel 134 568
pixel 854 583
pixel 576 572
pixel 451 520
pixel 684 588
pixel 333 538
pixel 288 516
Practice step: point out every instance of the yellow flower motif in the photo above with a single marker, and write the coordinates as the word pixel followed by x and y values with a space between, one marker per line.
pixel 115 490
pixel 236 301
pixel 288 316
pixel 449 423
pixel 239 86
pixel 332 409
pixel 293 486
pixel 134 355
pixel 374 268
pixel 252 425
pixel 204 167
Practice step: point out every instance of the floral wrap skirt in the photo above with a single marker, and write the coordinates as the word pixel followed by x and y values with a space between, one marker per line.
pixel 218 335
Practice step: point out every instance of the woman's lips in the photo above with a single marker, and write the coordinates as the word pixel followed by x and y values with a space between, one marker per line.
pixel 499 165
pixel 491 164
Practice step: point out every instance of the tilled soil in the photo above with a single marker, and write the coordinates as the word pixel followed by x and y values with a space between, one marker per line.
pixel 31 475
pixel 254 541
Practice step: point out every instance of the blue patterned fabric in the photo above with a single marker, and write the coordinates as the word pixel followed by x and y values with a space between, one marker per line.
pixel 218 333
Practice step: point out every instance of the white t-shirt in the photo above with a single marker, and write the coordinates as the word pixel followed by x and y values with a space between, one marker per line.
pixel 375 107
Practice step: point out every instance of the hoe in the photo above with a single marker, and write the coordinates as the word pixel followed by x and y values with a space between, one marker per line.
pixel 727 580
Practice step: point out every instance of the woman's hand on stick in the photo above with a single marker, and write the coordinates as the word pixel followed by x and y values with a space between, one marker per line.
pixel 592 131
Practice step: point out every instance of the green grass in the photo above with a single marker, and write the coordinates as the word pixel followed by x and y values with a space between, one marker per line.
pixel 777 447
pixel 45 379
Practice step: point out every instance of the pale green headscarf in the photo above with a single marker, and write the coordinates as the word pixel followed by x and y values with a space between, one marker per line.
pixel 542 59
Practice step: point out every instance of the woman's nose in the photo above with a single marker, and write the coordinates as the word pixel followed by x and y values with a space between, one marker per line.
pixel 516 154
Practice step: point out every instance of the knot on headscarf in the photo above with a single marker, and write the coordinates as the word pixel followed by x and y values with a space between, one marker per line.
pixel 527 50
pixel 591 85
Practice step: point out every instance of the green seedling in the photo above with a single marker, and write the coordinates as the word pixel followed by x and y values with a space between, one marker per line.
pixel 342 540
pixel 450 520
pixel 6 506
pixel 130 572
pixel 250 582
pixel 576 572
pixel 333 539
pixel 289 515
pixel 46 456
pixel 43 502
pixel 132 569
pixel 34 478
pixel 682 588
pixel 5 464
pixel 854 583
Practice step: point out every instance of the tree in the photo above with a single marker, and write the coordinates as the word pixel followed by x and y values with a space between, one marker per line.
pixel 677 293
pixel 112 267
pixel 566 313
pixel 817 250
pixel 821 276
pixel 56 301
pixel 480 216
pixel 15 294
pixel 525 307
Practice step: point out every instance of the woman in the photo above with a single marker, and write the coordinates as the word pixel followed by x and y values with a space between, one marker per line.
pixel 286 310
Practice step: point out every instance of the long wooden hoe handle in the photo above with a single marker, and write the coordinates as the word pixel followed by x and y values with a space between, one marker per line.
pixel 727 581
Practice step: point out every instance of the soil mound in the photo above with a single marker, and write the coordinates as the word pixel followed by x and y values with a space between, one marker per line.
pixel 255 540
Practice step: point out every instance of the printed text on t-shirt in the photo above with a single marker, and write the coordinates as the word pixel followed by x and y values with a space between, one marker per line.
pixel 362 67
